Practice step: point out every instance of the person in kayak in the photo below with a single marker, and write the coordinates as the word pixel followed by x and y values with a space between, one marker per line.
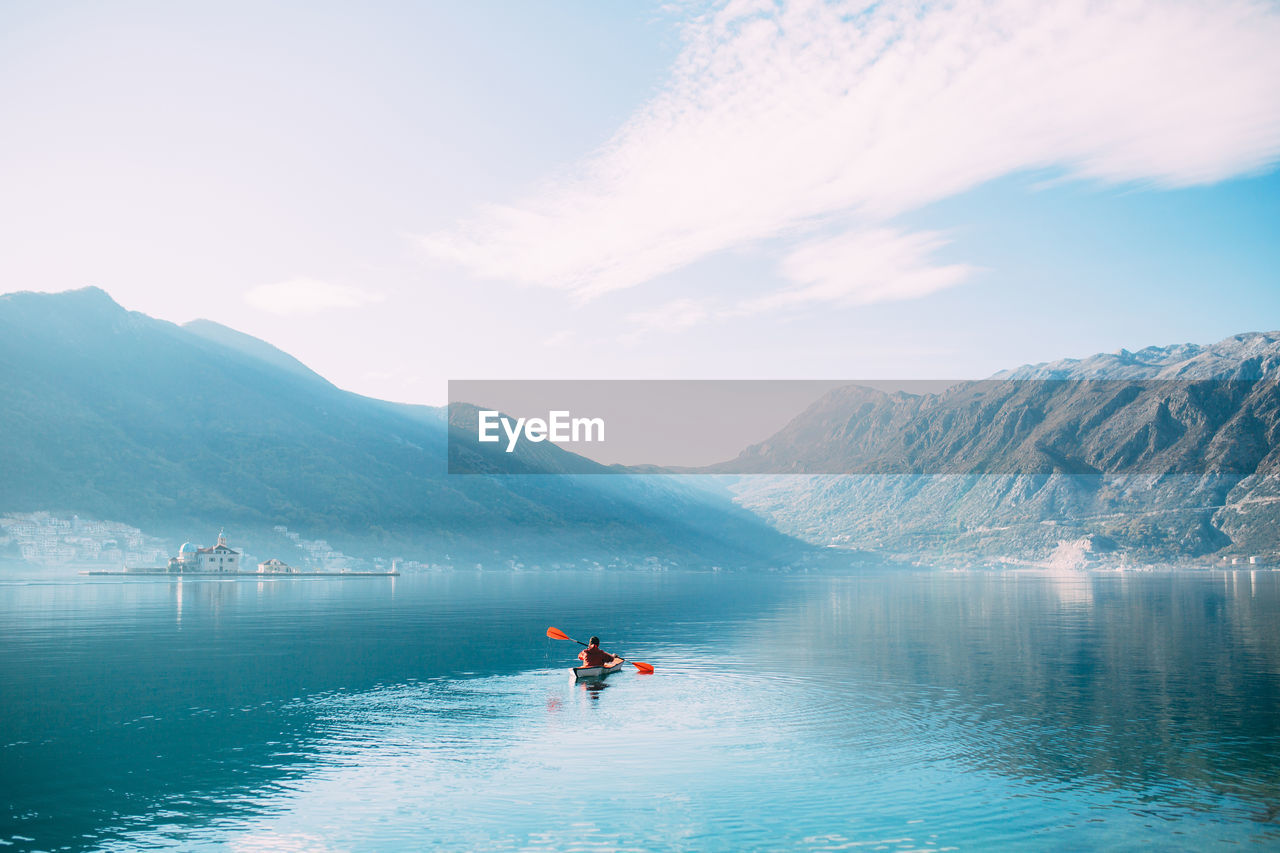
pixel 593 655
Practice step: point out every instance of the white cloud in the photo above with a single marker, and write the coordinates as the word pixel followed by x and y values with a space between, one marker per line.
pixel 861 267
pixel 851 268
pixel 674 316
pixel 307 295
pixel 556 340
pixel 780 118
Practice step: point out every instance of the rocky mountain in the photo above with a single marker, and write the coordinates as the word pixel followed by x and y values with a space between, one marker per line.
pixel 1168 453
pixel 181 430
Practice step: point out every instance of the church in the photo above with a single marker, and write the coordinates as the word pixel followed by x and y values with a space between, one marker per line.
pixel 218 558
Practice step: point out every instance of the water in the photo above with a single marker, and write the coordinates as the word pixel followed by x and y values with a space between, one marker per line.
pixel 907 711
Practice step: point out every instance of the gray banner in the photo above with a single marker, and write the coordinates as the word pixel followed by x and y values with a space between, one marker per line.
pixel 993 426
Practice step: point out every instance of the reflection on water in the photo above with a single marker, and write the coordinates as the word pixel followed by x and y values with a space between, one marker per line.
pixel 916 711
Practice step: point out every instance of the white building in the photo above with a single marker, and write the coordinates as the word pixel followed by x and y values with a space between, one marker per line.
pixel 193 558
pixel 274 566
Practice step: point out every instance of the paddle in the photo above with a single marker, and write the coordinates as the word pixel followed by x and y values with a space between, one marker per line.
pixel 557 634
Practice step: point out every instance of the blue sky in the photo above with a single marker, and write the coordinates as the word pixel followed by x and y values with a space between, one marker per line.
pixel 399 194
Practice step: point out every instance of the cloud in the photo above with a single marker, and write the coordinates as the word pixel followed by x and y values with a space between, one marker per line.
pixel 851 268
pixel 555 340
pixel 306 296
pixel 673 316
pixel 779 119
pixel 861 267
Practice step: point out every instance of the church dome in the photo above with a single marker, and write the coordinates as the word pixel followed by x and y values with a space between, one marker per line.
pixel 187 548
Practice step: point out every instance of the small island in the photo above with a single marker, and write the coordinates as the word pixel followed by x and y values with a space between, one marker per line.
pixel 222 560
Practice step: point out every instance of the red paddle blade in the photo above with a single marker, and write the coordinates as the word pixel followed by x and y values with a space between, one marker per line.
pixel 557 634
pixel 643 667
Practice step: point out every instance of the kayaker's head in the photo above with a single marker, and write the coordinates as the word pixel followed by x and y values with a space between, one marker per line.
pixel 595 641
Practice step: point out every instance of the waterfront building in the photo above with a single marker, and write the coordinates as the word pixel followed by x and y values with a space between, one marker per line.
pixel 217 558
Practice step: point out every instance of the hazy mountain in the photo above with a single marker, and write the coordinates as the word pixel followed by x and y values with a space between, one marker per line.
pixel 256 349
pixel 1167 453
pixel 182 430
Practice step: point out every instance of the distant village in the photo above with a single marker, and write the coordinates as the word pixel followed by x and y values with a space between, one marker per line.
pixel 222 558
pixel 44 538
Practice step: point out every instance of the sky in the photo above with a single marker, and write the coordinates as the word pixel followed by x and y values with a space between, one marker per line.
pixel 399 194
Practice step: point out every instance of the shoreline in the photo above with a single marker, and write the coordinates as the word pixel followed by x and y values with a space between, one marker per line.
pixel 162 573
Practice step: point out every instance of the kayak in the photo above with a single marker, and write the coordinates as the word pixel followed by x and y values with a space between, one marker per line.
pixel 581 672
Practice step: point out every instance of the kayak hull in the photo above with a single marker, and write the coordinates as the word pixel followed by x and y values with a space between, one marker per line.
pixel 581 672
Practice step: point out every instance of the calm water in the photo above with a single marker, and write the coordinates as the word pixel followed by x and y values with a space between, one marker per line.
pixel 898 711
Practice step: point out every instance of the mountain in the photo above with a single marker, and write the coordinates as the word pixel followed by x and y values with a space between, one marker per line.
pixel 181 430
pixel 256 349
pixel 1169 453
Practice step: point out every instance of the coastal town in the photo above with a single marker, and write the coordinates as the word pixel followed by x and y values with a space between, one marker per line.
pixel 43 538
pixel 47 539
pixel 222 559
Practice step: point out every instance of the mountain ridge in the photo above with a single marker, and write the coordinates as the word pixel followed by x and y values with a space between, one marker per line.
pixel 1161 454
pixel 1167 454
pixel 119 416
pixel 1247 355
